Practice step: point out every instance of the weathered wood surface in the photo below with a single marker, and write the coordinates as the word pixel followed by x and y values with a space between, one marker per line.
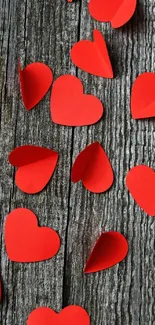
pixel 44 31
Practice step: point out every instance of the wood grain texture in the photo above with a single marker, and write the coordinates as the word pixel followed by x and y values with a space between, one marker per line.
pixel 44 31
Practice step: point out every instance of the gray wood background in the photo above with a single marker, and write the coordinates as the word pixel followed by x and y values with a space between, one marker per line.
pixel 45 30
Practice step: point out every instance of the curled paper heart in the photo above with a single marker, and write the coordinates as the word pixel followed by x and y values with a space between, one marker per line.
pixel 93 56
pixel 93 168
pixel 118 12
pixel 71 315
pixel 110 249
pixel 143 96
pixel 35 165
pixel 25 241
pixel 70 106
pixel 35 81
pixel 140 182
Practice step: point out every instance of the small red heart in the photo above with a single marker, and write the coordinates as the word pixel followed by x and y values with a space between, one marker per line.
pixel 143 96
pixel 92 57
pixel 36 166
pixel 140 182
pixel 71 315
pixel 110 249
pixel 118 12
pixel 69 106
pixel 35 81
pixel 25 241
pixel 93 168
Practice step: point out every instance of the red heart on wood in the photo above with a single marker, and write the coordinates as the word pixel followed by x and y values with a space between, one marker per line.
pixel 70 106
pixel 143 96
pixel 93 168
pixel 35 81
pixel 71 315
pixel 92 57
pixel 36 166
pixel 140 182
pixel 110 249
pixel 118 12
pixel 25 241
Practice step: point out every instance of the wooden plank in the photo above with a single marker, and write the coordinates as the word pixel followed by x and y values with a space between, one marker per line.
pixel 34 31
pixel 124 294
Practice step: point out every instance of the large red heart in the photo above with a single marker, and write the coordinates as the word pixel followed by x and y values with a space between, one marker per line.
pixel 69 106
pixel 35 165
pixel 118 12
pixel 71 315
pixel 110 249
pixel 143 96
pixel 93 57
pixel 25 241
pixel 93 168
pixel 140 182
pixel 35 81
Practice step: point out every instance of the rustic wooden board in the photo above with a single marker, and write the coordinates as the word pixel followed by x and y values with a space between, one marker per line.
pixel 44 31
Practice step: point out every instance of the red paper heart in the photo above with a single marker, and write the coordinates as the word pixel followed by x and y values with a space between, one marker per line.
pixel 118 12
pixel 69 106
pixel 143 96
pixel 25 241
pixel 93 168
pixel 36 166
pixel 140 182
pixel 71 315
pixel 93 57
pixel 110 249
pixel 35 81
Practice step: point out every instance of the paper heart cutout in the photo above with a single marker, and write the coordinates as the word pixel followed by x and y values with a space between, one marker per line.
pixel 70 106
pixel 35 81
pixel 27 242
pixel 36 166
pixel 71 315
pixel 93 168
pixel 118 12
pixel 110 249
pixel 143 96
pixel 140 182
pixel 93 56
